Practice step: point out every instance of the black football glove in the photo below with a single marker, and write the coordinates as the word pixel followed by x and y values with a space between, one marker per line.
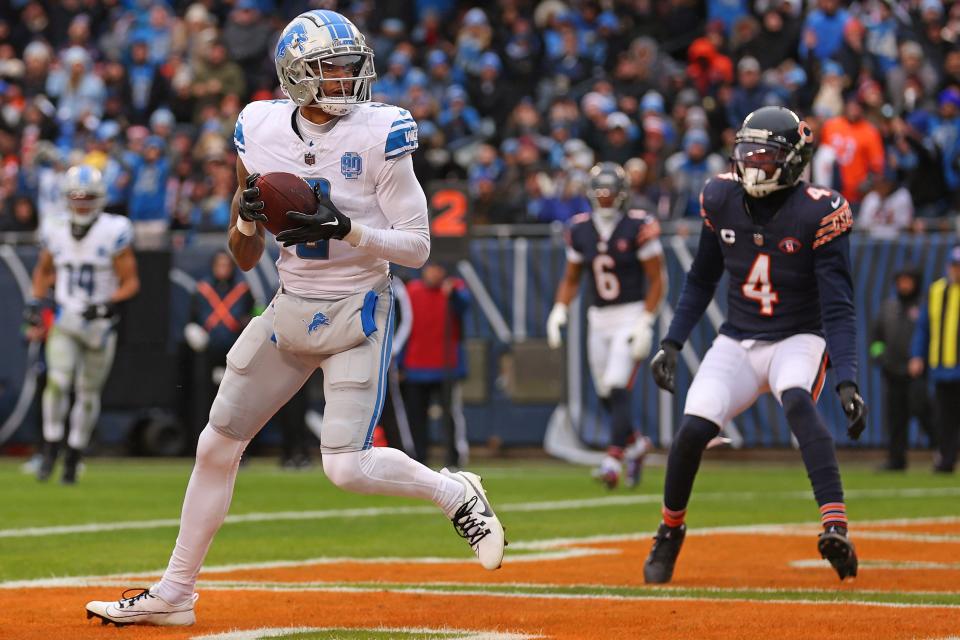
pixel 324 224
pixel 97 311
pixel 855 408
pixel 251 206
pixel 664 365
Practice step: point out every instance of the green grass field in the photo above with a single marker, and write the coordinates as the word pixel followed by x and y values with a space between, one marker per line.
pixel 133 507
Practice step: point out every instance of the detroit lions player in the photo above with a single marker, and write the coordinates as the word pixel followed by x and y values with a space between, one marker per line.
pixel 785 244
pixel 623 251
pixel 334 309
pixel 89 261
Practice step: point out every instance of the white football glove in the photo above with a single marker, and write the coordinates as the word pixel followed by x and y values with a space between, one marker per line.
pixel 196 336
pixel 641 337
pixel 555 321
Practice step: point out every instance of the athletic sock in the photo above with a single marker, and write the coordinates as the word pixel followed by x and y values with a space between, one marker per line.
pixel 833 514
pixel 819 454
pixel 621 424
pixel 683 462
pixel 673 518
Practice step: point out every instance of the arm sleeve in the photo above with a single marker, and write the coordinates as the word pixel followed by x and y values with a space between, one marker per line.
pixel 832 269
pixel 920 344
pixel 698 287
pixel 404 204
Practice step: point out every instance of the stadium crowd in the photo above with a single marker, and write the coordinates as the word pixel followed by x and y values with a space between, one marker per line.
pixel 516 99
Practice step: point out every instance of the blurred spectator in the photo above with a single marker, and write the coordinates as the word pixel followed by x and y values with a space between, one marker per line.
pixel 216 77
pixel 891 332
pixel 148 191
pixel 489 92
pixel 689 170
pixel 220 308
pixel 822 34
pixel 18 215
pixel 460 122
pixel 79 92
pixel 750 93
pixel 144 88
pixel 434 362
pixel 940 316
pixel 887 211
pixel 858 148
pixel 249 39
pixel 618 143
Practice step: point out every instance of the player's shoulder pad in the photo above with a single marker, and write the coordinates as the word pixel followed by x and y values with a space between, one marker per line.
pixel 400 129
pixel 255 113
pixel 714 194
pixel 648 227
pixel 826 211
pixel 578 219
pixel 574 225
pixel 121 231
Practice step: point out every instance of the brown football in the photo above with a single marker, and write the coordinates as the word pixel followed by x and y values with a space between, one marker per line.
pixel 282 192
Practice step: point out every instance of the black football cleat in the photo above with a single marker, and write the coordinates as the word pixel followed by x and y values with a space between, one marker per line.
pixel 658 569
pixel 835 547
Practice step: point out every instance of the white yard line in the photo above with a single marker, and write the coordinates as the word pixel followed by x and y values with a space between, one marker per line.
pixel 550 549
pixel 517 507
pixel 276 632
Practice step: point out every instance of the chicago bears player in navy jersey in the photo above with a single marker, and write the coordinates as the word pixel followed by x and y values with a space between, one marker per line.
pixel 623 251
pixel 785 244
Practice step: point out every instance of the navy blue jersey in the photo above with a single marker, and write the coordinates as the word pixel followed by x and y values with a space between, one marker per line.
pixel 789 270
pixel 616 275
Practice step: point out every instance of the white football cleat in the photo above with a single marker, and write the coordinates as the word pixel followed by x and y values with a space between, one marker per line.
pixel 143 608
pixel 476 522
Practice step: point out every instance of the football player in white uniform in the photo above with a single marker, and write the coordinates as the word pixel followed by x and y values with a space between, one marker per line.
pixel 334 309
pixel 623 252
pixel 89 261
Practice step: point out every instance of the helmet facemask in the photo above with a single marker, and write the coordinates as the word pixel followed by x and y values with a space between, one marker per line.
pixel 337 82
pixel 608 190
pixel 764 167
pixel 84 208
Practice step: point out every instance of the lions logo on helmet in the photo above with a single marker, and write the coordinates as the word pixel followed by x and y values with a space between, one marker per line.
pixel 323 60
pixel 771 150
pixel 86 193
pixel 608 188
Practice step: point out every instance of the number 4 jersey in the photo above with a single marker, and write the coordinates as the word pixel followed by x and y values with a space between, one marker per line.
pixel 613 255
pixel 85 273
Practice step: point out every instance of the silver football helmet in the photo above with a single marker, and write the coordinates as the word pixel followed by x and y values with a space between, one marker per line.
pixel 85 191
pixel 318 47
pixel 610 182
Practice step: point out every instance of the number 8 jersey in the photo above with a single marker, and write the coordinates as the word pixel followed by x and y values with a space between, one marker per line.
pixel 616 275
pixel 353 163
pixel 84 267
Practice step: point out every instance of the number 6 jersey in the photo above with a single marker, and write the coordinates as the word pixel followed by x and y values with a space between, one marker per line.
pixel 85 273
pixel 613 258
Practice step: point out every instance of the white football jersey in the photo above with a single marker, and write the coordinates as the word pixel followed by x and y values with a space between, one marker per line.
pixel 85 273
pixel 350 162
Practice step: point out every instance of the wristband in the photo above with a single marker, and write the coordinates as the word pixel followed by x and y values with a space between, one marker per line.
pixel 246 227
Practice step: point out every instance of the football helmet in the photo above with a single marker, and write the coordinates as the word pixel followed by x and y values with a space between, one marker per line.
pixel 608 188
pixel 85 191
pixel 318 47
pixel 771 150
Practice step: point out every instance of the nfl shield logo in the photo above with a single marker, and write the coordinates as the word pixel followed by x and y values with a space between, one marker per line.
pixel 758 239
pixel 351 165
pixel 310 158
